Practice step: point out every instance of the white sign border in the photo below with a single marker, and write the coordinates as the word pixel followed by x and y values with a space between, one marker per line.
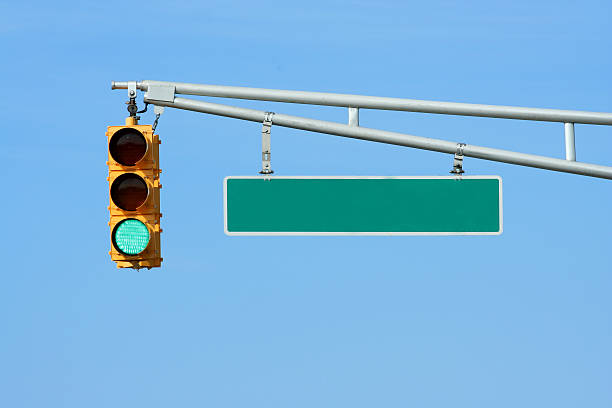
pixel 311 233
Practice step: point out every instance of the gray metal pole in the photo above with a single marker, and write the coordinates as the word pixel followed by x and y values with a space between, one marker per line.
pixel 570 142
pixel 376 102
pixel 400 139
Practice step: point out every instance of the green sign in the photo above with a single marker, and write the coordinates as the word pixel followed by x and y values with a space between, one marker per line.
pixel 469 205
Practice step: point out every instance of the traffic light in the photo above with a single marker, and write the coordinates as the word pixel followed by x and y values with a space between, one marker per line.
pixel 133 167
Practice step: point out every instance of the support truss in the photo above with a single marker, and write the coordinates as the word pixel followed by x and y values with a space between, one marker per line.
pixel 164 94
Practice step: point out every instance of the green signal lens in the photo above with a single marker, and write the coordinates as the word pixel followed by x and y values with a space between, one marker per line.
pixel 131 237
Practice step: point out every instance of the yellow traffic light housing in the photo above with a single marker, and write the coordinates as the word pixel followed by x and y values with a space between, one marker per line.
pixel 133 164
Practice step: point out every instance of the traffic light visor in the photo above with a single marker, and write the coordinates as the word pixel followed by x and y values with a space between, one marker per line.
pixel 131 236
pixel 127 146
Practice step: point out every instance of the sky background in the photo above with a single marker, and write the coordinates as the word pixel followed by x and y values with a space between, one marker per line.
pixel 522 319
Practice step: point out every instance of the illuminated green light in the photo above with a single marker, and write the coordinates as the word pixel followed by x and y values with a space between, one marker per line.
pixel 131 236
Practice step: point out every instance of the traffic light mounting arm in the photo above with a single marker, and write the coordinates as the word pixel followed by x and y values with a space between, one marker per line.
pixel 163 94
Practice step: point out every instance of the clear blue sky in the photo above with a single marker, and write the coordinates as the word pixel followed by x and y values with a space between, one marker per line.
pixel 522 319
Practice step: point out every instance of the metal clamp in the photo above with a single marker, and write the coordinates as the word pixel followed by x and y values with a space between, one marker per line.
pixel 458 160
pixel 132 86
pixel 265 144
pixel 132 108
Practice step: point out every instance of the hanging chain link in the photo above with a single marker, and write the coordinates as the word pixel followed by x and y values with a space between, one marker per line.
pixel 156 120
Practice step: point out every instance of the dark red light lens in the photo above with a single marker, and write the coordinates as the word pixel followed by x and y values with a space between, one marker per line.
pixel 129 191
pixel 127 146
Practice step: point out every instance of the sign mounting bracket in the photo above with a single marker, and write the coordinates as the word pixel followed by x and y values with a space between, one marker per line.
pixel 266 128
pixel 458 160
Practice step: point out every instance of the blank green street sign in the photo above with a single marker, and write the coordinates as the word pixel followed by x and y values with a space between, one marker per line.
pixel 469 205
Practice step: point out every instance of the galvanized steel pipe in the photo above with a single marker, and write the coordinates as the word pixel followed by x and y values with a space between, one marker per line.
pixel 399 139
pixel 377 102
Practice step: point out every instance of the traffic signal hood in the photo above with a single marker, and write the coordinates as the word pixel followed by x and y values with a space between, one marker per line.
pixel 133 162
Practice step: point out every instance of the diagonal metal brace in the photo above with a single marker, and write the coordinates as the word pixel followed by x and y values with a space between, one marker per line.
pixel 458 160
pixel 265 144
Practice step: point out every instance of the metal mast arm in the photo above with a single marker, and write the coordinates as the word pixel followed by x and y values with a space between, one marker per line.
pixel 377 102
pixel 399 139
pixel 163 94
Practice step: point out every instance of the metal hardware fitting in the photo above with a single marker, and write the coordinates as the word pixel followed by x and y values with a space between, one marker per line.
pixel 158 110
pixel 458 160
pixel 131 89
pixel 132 108
pixel 162 93
pixel 265 144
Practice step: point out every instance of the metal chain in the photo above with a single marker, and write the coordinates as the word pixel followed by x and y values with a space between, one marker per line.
pixel 156 120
